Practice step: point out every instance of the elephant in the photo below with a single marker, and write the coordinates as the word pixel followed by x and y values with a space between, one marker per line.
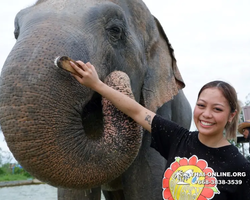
pixel 60 130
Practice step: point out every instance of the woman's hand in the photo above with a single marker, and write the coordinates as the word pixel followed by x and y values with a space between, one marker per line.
pixel 89 75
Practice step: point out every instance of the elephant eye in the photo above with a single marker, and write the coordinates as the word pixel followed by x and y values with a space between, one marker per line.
pixel 115 33
pixel 17 28
pixel 16 33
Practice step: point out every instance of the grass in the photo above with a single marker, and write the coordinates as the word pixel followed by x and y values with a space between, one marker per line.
pixel 13 177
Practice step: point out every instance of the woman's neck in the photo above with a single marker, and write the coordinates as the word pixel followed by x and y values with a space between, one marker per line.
pixel 213 141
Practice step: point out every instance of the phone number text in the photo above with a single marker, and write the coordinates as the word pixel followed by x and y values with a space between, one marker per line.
pixel 219 182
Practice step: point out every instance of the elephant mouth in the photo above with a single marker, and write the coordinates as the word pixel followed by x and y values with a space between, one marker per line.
pixel 92 117
pixel 92 112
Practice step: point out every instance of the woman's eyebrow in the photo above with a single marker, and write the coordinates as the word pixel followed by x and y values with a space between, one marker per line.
pixel 216 104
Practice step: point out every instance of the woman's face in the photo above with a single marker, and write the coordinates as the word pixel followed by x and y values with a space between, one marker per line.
pixel 245 133
pixel 212 112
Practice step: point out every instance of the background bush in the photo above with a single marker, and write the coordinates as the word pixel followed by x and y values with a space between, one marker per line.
pixel 2 172
pixel 11 174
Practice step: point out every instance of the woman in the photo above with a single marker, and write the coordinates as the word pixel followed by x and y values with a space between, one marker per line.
pixel 202 164
pixel 244 129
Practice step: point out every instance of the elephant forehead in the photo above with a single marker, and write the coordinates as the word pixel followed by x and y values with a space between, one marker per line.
pixel 57 5
pixel 136 10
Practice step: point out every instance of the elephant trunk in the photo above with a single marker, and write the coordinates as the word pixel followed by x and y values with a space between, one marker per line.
pixel 66 142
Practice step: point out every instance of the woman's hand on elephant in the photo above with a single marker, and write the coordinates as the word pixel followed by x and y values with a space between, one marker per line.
pixel 89 75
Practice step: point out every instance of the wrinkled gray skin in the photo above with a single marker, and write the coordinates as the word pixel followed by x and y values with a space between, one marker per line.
pixel 53 125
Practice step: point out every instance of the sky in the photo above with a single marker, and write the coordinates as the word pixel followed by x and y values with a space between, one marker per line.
pixel 211 40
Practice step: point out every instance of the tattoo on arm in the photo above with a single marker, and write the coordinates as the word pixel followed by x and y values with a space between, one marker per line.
pixel 148 119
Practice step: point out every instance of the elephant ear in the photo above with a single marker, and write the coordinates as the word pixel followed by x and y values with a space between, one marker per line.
pixel 163 79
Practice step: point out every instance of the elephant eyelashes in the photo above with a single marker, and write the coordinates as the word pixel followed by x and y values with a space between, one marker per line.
pixel 115 33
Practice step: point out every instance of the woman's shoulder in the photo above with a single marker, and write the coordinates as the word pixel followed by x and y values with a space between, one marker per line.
pixel 236 157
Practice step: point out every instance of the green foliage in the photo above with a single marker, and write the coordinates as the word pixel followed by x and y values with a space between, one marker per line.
pixel 7 173
pixel 18 170
pixel 6 169
pixel 2 172
pixel 27 174
pixel 21 171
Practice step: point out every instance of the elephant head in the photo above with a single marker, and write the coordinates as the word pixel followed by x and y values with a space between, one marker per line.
pixel 54 126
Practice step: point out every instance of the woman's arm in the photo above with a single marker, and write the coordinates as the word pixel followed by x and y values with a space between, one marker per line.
pixel 130 107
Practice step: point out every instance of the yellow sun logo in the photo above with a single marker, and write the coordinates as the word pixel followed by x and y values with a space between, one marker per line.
pixel 189 179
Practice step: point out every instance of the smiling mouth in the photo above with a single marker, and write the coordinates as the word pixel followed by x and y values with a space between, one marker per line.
pixel 206 123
